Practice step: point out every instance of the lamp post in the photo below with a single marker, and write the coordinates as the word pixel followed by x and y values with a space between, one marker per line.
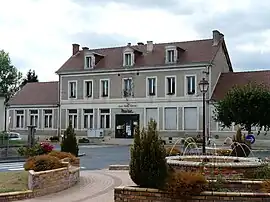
pixel 203 84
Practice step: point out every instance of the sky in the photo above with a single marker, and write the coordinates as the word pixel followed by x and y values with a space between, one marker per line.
pixel 38 34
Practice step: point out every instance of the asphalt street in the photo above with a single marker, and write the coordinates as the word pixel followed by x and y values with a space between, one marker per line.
pixel 96 157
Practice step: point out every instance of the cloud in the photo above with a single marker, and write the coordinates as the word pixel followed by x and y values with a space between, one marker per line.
pixel 38 33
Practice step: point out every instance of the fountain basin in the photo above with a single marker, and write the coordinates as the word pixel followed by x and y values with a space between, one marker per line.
pixel 215 165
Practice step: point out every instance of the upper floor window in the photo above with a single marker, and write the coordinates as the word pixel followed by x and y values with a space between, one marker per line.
pixel 191 85
pixel 19 119
pixel 33 118
pixel 171 85
pixel 127 87
pixel 88 89
pixel 104 88
pixel 128 59
pixel 151 87
pixel 171 56
pixel 72 89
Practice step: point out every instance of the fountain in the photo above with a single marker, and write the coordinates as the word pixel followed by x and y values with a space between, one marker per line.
pixel 229 166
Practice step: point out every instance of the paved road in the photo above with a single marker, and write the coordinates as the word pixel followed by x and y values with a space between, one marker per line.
pixel 96 158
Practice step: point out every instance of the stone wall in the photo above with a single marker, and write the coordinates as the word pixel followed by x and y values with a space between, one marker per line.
pixel 135 194
pixel 51 181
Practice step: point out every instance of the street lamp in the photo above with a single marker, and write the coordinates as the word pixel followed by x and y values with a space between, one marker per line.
pixel 203 84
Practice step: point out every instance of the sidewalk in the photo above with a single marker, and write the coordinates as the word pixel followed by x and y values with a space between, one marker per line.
pixel 94 186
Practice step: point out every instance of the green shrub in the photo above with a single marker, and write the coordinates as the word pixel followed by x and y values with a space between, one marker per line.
pixel 42 163
pixel 224 152
pixel 37 149
pixel 69 143
pixel 148 166
pixel 186 183
pixel 172 151
pixel 258 173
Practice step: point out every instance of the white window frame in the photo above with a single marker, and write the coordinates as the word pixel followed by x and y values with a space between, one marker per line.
pixel 186 84
pixel 104 114
pixel 197 121
pixel 15 119
pixel 132 57
pixel 171 59
pixel 76 89
pixel 166 85
pixel 36 116
pixel 89 115
pixel 84 89
pixel 131 86
pixel 47 114
pixel 147 85
pixel 91 62
pixel 72 114
pixel 101 88
pixel 128 59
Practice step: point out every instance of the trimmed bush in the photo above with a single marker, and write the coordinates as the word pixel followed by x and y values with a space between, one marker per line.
pixel 148 166
pixel 42 163
pixel 258 173
pixel 224 152
pixel 186 183
pixel 172 151
pixel 69 143
pixel 62 155
pixel 265 186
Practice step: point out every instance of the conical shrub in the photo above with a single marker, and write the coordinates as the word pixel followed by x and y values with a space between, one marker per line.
pixel 148 166
pixel 69 143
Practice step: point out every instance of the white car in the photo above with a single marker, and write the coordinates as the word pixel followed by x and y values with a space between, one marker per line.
pixel 14 136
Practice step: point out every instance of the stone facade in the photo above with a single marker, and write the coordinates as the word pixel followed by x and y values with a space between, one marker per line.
pixel 135 194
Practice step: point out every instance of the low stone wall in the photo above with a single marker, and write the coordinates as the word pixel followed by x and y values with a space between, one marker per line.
pixel 51 181
pixel 135 194
pixel 119 167
pixel 45 182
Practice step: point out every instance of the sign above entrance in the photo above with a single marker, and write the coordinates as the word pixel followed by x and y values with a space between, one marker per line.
pixel 126 111
pixel 127 105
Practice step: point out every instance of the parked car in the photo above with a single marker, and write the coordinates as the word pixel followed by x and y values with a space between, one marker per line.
pixel 14 136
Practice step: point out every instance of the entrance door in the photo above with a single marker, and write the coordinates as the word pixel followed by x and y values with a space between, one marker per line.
pixel 125 125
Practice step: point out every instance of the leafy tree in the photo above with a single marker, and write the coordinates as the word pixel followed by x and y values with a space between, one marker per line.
pixel 30 77
pixel 9 75
pixel 69 143
pixel 246 105
pixel 148 166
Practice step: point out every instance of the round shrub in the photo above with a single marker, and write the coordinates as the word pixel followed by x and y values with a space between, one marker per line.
pixel 62 155
pixel 42 163
pixel 148 166
pixel 37 149
pixel 185 183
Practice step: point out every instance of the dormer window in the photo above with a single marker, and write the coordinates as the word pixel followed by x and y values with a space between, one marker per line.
pixel 89 61
pixel 171 54
pixel 128 59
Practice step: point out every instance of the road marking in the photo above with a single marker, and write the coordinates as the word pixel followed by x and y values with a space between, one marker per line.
pixel 12 166
pixel 83 167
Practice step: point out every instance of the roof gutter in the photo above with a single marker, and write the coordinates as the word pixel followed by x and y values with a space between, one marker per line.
pixel 136 69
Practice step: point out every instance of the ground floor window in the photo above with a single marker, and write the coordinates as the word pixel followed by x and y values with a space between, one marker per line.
pixel 151 113
pixel 48 118
pixel 19 122
pixel 73 117
pixel 190 118
pixel 33 117
pixel 170 118
pixel 88 119
pixel 104 118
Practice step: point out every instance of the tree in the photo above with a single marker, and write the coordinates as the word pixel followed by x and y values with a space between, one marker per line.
pixel 69 143
pixel 9 75
pixel 148 166
pixel 30 77
pixel 246 105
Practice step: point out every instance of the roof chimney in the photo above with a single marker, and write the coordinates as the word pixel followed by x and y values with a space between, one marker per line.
pixel 217 36
pixel 140 43
pixel 85 48
pixel 75 48
pixel 150 46
pixel 129 44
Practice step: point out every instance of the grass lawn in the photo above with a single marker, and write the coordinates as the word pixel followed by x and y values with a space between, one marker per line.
pixel 13 181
